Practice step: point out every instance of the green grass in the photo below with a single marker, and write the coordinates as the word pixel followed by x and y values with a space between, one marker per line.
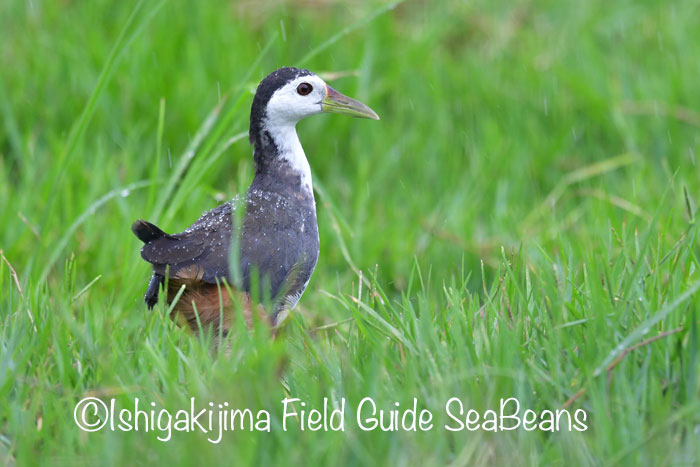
pixel 521 223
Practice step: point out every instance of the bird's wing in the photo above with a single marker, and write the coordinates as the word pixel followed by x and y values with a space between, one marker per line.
pixel 201 251
pixel 278 232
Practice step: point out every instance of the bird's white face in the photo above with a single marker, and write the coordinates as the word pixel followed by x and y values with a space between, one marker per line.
pixel 297 99
pixel 301 97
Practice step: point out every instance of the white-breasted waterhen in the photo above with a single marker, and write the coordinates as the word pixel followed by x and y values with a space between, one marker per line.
pixel 278 244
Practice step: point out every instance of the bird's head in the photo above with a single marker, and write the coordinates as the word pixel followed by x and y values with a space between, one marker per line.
pixel 287 95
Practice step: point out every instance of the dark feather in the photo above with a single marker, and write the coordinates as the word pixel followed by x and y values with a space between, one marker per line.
pixel 204 244
pixel 151 297
pixel 146 232
pixel 279 243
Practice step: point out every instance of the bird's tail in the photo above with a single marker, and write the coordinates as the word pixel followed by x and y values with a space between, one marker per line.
pixel 147 232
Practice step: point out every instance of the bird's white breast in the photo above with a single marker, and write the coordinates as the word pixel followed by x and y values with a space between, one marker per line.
pixel 289 146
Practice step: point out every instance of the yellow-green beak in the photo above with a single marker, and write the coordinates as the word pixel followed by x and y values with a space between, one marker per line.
pixel 337 103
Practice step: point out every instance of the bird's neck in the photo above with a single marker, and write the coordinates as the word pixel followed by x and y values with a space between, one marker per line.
pixel 279 157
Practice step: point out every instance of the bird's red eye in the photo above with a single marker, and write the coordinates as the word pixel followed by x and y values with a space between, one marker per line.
pixel 304 89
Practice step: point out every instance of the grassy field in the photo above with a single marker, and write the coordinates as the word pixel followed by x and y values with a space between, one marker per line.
pixel 520 223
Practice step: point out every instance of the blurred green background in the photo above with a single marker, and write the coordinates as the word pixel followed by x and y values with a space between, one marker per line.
pixel 524 210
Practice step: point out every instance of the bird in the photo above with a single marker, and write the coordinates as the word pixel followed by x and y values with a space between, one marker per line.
pixel 275 241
